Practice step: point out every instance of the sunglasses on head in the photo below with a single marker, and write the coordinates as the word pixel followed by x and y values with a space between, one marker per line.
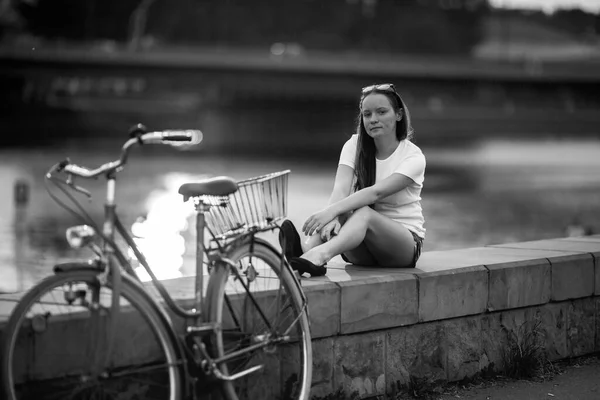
pixel 384 87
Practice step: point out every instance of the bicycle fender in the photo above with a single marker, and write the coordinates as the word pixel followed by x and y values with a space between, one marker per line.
pixel 74 266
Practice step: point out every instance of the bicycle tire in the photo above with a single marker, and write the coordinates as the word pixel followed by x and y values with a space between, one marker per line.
pixel 45 354
pixel 287 370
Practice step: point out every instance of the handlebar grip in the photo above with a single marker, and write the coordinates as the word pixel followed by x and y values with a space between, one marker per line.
pixel 192 136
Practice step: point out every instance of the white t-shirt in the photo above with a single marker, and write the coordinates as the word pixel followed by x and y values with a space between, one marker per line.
pixel 405 205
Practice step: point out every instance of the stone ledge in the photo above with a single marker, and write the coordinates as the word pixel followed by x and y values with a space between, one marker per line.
pixel 471 303
pixel 444 319
pixel 456 283
pixel 445 284
pixel 588 246
pixel 371 300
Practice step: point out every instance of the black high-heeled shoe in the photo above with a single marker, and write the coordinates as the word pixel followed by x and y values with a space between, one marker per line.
pixel 302 265
pixel 289 240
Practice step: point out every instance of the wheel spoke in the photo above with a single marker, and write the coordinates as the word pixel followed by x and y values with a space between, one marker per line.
pixel 256 316
pixel 144 369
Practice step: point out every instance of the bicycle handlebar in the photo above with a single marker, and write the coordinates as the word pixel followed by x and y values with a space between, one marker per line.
pixel 178 137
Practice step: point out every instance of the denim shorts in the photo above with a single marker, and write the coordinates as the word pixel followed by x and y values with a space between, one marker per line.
pixel 416 253
pixel 418 249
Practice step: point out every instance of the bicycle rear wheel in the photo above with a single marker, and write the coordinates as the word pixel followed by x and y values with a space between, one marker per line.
pixel 269 312
pixel 56 344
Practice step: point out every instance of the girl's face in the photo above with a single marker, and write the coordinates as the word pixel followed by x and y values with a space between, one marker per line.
pixel 378 115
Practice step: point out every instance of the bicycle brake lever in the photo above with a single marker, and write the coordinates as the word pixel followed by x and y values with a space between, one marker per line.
pixel 71 182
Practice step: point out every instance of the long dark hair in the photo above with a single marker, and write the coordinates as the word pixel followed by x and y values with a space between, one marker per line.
pixel 364 168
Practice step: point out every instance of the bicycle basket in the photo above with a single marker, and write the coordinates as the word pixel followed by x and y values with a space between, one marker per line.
pixel 258 204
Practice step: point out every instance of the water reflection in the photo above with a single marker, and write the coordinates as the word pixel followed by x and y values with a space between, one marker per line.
pixel 159 235
pixel 494 191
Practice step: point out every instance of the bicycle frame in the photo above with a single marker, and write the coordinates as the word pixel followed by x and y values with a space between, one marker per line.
pixel 196 312
pixel 200 326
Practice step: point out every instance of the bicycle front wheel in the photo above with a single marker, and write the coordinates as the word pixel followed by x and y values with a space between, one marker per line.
pixel 58 344
pixel 259 308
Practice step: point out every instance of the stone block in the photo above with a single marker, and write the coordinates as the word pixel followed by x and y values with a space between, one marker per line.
pixel 581 327
pixel 589 244
pixel 476 256
pixel 378 302
pixel 360 364
pixel 519 284
pixel 497 331
pixel 289 356
pixel 544 325
pixel 268 382
pixel 323 365
pixel 597 276
pixel 572 276
pixel 400 354
pixel 180 289
pixel 583 243
pixel 554 324
pixel 416 351
pixel 586 244
pixel 463 336
pixel 452 293
pixel 569 245
pixel 492 340
pixel 597 319
pixel 323 308
pixel 60 343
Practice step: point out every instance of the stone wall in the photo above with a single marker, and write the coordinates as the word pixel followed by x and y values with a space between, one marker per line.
pixel 377 329
pixel 454 315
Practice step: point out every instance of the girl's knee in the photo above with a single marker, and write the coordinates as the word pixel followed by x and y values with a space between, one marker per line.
pixel 362 213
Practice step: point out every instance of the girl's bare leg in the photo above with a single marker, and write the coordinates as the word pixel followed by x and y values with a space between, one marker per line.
pixel 389 242
pixel 311 242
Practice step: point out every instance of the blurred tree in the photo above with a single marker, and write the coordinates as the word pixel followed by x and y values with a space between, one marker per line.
pixel 407 26
pixel 137 24
pixel 576 21
pixel 56 19
pixel 10 17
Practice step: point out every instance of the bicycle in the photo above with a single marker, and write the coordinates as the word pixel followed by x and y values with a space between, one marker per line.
pixel 94 330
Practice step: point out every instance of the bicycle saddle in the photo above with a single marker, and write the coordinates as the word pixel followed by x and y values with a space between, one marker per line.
pixel 217 186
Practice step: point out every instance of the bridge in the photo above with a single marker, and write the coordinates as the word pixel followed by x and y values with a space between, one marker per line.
pixel 244 97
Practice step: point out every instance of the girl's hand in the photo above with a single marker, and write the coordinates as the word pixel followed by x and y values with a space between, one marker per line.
pixel 330 230
pixel 316 222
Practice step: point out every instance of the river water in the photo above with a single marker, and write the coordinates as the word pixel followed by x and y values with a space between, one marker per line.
pixel 492 191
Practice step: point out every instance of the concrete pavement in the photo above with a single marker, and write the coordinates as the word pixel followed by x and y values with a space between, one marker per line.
pixel 577 379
